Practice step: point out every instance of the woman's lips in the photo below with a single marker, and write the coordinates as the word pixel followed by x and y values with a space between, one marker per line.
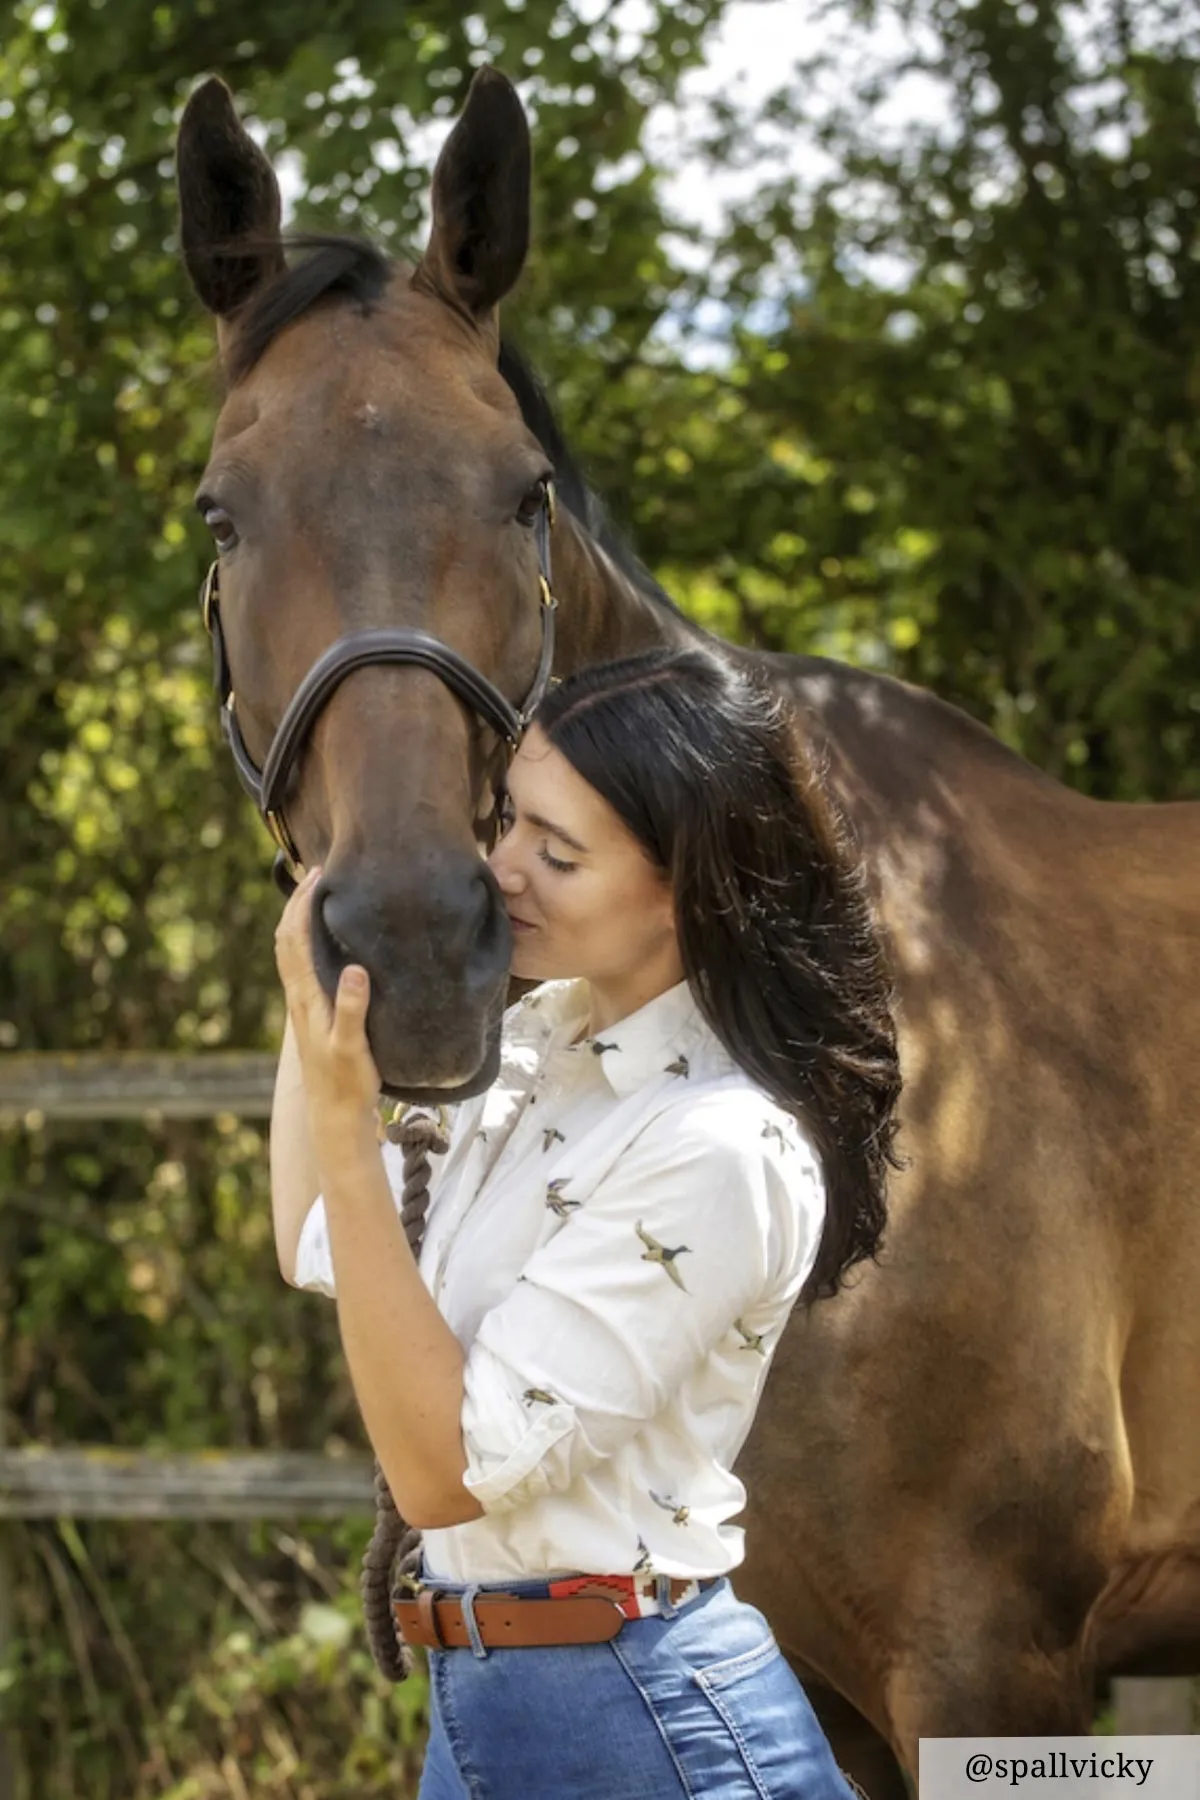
pixel 520 924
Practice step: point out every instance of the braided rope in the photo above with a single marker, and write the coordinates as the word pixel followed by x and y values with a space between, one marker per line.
pixel 394 1551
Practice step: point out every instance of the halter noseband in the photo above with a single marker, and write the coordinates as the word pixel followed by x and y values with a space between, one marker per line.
pixel 267 787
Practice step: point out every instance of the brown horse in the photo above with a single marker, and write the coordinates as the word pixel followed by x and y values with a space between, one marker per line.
pixel 975 1480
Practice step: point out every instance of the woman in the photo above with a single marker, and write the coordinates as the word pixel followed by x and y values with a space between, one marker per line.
pixel 690 1131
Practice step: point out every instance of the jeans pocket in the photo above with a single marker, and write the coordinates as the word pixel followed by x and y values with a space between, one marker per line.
pixel 785 1754
pixel 721 1675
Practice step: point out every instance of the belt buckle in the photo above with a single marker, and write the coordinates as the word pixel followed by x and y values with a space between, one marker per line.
pixel 645 1589
pixel 620 1589
pixel 681 1591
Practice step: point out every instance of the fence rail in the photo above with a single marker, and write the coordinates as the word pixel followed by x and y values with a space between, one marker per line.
pixel 99 1483
pixel 134 1084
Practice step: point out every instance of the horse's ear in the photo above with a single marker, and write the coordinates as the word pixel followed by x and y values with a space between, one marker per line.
pixel 480 202
pixel 228 197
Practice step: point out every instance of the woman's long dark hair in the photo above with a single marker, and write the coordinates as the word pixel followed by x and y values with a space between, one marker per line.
pixel 698 759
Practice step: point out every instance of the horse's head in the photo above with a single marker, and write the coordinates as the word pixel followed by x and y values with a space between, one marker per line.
pixel 370 468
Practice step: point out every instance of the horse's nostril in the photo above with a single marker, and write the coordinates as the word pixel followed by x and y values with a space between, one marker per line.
pixel 492 928
pixel 456 918
pixel 343 949
pixel 324 904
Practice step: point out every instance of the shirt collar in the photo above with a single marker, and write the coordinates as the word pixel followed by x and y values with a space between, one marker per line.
pixel 666 1040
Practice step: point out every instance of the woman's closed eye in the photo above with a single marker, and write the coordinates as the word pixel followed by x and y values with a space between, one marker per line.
pixel 508 818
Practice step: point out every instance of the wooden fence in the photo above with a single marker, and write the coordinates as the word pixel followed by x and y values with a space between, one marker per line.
pixel 134 1085
pixel 86 1482
pixel 97 1482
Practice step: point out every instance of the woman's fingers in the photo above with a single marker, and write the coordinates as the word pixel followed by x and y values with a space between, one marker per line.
pixel 332 1040
pixel 293 942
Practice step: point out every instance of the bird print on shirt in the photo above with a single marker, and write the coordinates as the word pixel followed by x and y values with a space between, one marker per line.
pixel 751 1340
pixel 557 1201
pixel 679 1514
pixel 659 1253
pixel 488 1249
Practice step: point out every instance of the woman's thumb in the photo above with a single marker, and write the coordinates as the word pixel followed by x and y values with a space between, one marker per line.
pixel 353 984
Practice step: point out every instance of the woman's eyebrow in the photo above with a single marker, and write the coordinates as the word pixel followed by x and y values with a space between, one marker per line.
pixel 556 831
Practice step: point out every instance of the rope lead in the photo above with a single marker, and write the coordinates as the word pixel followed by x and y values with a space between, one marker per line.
pixel 394 1552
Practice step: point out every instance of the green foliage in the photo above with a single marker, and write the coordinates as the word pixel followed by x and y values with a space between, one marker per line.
pixel 962 448
pixel 1000 434
pixel 204 1663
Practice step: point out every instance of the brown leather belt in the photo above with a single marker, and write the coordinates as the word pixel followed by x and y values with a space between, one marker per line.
pixel 509 1621
pixel 506 1622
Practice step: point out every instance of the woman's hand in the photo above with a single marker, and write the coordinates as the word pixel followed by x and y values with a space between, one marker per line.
pixel 341 1081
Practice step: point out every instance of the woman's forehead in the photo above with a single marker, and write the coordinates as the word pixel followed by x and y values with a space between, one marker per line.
pixel 542 781
pixel 541 773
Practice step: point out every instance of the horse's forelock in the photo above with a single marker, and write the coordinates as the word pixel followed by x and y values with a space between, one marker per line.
pixel 331 264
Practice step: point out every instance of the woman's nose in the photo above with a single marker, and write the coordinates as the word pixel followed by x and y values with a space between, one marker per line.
pixel 504 867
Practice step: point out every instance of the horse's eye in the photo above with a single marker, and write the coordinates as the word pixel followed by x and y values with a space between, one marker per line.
pixel 222 527
pixel 532 504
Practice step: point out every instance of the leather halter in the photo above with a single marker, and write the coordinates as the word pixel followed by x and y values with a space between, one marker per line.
pixel 268 786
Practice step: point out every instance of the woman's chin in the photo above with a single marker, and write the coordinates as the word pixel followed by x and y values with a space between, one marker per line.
pixel 525 963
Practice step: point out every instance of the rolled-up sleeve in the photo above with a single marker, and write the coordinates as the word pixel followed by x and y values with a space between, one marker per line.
pixel 700 1217
pixel 314 1260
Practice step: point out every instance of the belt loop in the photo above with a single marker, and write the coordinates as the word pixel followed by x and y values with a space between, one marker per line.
pixel 662 1593
pixel 467 1602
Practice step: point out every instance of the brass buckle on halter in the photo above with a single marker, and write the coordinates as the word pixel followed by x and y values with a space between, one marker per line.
pixel 551 504
pixel 426 1108
pixel 548 599
pixel 277 827
pixel 208 594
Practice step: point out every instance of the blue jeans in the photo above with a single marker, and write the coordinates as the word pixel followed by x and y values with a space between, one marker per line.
pixel 683 1707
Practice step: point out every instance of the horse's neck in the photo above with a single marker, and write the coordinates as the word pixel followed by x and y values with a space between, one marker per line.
pixel 602 612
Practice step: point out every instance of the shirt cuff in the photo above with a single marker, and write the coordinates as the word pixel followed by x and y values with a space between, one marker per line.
pixel 314 1259
pixel 507 1440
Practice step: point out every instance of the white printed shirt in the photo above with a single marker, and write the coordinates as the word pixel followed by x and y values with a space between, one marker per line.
pixel 616 1236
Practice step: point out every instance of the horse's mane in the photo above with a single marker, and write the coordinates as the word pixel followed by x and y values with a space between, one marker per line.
pixel 359 271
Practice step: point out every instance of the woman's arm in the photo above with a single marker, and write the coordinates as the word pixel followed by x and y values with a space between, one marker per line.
pixel 405 1362
pixel 295 1182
